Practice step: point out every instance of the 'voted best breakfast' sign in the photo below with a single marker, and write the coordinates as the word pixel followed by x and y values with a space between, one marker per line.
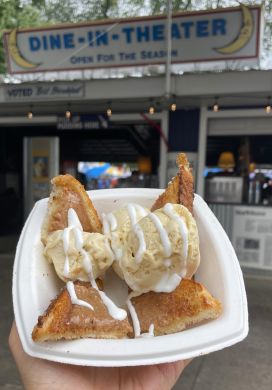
pixel 225 34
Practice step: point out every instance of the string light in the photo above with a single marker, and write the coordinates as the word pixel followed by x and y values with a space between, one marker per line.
pixel 68 112
pixel 173 105
pixel 109 110
pixel 216 105
pixel 30 113
pixel 151 109
pixel 268 107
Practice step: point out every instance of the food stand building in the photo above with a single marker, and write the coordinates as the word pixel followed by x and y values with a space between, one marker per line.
pixel 35 128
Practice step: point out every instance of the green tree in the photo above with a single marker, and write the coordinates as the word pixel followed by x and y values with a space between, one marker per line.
pixel 14 15
pixel 74 11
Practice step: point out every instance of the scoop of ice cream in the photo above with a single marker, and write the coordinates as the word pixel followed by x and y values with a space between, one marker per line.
pixel 161 248
pixel 75 254
pixel 116 226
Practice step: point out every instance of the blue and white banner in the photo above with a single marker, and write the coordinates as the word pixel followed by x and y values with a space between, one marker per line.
pixel 223 34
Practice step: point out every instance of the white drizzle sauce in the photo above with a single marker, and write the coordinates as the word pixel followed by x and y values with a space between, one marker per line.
pixel 142 244
pixel 110 225
pixel 65 239
pixel 134 316
pixel 132 213
pixel 137 230
pixel 163 234
pixel 110 251
pixel 135 319
pixel 74 299
pixel 106 225
pixel 168 283
pixel 118 251
pixel 113 221
pixel 150 332
pixel 142 211
pixel 168 209
pixel 114 311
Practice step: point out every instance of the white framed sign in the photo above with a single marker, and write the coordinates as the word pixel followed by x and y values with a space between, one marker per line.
pixel 252 236
pixel 214 35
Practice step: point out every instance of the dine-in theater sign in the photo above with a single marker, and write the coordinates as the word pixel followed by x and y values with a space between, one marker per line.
pixel 218 35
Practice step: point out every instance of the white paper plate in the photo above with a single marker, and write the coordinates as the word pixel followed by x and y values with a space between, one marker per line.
pixel 35 284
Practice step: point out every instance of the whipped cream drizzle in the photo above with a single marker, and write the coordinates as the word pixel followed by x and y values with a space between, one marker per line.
pixel 106 224
pixel 167 248
pixel 75 301
pixel 166 243
pixel 150 332
pixel 110 223
pixel 137 229
pixel 142 244
pixel 65 240
pixel 132 212
pixel 135 319
pixel 74 223
pixel 168 282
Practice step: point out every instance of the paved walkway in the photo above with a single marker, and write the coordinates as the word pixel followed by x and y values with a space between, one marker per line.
pixel 245 366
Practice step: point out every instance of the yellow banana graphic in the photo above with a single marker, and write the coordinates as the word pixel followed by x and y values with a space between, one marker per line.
pixel 244 35
pixel 15 54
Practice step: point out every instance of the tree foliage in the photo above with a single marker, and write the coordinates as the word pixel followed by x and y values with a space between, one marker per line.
pixel 14 15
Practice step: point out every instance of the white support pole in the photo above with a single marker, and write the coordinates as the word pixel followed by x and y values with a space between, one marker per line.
pixel 202 145
pixel 169 51
pixel 163 149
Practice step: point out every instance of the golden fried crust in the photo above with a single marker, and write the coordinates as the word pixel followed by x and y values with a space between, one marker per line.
pixel 64 320
pixel 188 305
pixel 68 193
pixel 181 188
pixel 186 188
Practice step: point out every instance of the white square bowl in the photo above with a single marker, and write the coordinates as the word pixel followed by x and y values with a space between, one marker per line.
pixel 35 284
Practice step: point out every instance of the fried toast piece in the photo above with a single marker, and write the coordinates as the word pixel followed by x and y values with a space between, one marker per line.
pixel 180 190
pixel 67 192
pixel 64 320
pixel 188 305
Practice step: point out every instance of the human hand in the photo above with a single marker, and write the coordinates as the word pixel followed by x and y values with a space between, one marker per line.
pixel 39 374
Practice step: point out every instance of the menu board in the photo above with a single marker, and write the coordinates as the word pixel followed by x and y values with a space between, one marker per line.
pixel 252 236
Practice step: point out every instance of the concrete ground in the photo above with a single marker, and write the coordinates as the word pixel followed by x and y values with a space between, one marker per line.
pixel 245 366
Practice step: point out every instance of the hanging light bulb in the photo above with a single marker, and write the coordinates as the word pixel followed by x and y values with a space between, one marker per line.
pixel 268 107
pixel 173 107
pixel 216 105
pixel 68 112
pixel 151 108
pixel 30 113
pixel 109 111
